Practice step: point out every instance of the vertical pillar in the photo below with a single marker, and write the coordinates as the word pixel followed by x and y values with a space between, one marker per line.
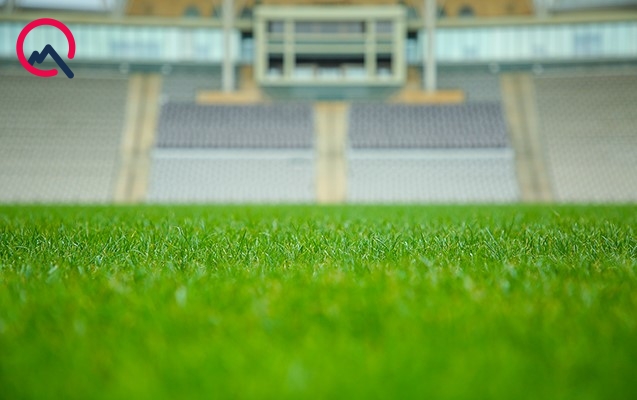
pixel 370 49
pixel 119 8
pixel 288 51
pixel 228 64
pixel 9 6
pixel 430 46
pixel 542 7
pixel 399 64
pixel 260 49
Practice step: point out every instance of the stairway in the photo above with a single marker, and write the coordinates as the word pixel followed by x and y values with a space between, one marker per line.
pixel 140 128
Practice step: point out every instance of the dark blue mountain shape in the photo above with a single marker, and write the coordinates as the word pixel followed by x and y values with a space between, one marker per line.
pixel 50 51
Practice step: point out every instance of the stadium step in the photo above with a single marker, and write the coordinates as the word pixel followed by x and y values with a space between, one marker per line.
pixel 142 113
pixel 518 97
pixel 331 121
pixel 247 96
pixel 419 96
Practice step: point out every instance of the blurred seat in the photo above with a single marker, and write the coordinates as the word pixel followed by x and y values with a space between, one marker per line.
pixel 283 125
pixel 60 138
pixel 588 127
pixel 434 176
pixel 470 125
pixel 234 153
pixel 220 176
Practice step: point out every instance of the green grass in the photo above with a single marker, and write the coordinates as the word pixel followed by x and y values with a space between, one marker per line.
pixel 484 302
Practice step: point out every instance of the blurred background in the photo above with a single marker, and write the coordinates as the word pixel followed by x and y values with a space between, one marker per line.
pixel 322 101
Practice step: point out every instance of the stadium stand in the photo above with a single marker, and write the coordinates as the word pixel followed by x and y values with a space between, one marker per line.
pixel 416 126
pixel 60 138
pixel 191 176
pixel 436 153
pixel 234 153
pixel 282 125
pixel 163 129
pixel 432 176
pixel 587 125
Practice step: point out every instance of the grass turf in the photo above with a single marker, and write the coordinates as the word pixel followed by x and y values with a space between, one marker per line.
pixel 428 302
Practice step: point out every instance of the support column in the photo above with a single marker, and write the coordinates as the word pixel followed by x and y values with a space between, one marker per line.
pixel 429 52
pixel 228 64
pixel 261 62
pixel 370 49
pixel 119 8
pixel 9 6
pixel 288 51
pixel 399 63
pixel 542 7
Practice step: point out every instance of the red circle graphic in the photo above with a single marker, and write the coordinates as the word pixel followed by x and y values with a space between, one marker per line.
pixel 47 73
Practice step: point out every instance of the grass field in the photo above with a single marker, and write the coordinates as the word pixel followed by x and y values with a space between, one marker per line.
pixel 506 302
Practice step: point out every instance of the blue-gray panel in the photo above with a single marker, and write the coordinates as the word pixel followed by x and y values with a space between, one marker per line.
pixel 479 124
pixel 283 125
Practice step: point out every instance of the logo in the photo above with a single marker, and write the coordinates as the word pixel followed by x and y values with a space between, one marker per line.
pixel 48 50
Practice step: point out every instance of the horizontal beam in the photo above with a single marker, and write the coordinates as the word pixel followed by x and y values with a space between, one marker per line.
pixel 333 13
pixel 336 82
pixel 323 49
pixel 107 19
pixel 553 19
pixel 245 24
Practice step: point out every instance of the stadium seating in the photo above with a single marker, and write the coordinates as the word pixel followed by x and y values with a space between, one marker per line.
pixel 432 176
pixel 187 125
pixel 587 126
pixel 60 138
pixel 230 153
pixel 468 125
pixel 439 153
pixel 231 176
pixel 60 141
